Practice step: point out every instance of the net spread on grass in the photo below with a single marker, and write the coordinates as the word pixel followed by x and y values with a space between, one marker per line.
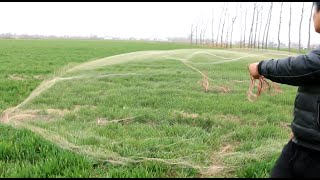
pixel 119 109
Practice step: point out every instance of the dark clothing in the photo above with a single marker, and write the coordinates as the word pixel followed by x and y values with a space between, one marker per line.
pixel 297 161
pixel 302 71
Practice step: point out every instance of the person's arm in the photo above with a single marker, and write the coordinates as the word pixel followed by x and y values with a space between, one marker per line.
pixel 297 71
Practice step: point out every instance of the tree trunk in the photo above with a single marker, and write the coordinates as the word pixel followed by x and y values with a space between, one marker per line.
pixel 265 30
pixel 289 43
pixel 279 27
pixel 261 10
pixel 300 27
pixel 219 25
pixel 191 34
pixel 249 44
pixel 200 40
pixel 200 35
pixel 245 26
pixel 266 45
pixel 256 29
pixel 204 34
pixel 197 35
pixel 226 42
pixel 223 24
pixel 233 20
pixel 240 26
pixel 309 26
pixel 250 35
pixel 228 28
pixel 212 27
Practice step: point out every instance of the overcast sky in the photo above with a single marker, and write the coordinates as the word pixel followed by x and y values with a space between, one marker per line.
pixel 144 19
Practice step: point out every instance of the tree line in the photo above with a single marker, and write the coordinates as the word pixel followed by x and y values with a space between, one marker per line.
pixel 258 36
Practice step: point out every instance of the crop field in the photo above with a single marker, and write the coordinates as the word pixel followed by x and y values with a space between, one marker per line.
pixel 72 108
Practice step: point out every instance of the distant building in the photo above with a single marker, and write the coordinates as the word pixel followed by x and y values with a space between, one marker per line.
pixel 107 37
pixel 178 39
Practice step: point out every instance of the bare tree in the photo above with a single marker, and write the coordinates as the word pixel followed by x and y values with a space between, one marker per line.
pixel 261 10
pixel 212 27
pixel 233 20
pixel 191 34
pixel 201 38
pixel 200 35
pixel 225 13
pixel 309 26
pixel 279 27
pixel 204 33
pixel 197 34
pixel 265 30
pixel 270 12
pixel 228 28
pixel 245 25
pixel 219 25
pixel 256 29
pixel 240 26
pixel 289 44
pixel 251 29
pixel 302 10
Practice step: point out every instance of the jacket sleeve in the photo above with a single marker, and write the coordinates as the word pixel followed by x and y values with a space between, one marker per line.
pixel 296 71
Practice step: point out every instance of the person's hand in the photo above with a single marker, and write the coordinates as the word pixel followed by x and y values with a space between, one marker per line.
pixel 253 70
pixel 291 135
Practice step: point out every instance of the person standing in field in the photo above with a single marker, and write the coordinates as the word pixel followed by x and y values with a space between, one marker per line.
pixel 300 157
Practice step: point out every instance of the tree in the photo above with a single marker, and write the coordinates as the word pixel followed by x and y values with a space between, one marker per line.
pixel 261 10
pixel 212 27
pixel 220 24
pixel 228 28
pixel 204 33
pixel 197 34
pixel 256 29
pixel 289 44
pixel 240 26
pixel 251 29
pixel 200 36
pixel 233 20
pixel 245 25
pixel 265 30
pixel 225 13
pixel 309 26
pixel 266 45
pixel 191 34
pixel 279 27
pixel 302 10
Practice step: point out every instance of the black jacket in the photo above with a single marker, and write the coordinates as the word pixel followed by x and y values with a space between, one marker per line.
pixel 302 71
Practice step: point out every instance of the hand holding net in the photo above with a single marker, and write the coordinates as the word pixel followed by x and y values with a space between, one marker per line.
pixel 262 85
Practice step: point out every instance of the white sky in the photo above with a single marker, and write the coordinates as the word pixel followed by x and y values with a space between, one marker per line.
pixel 143 19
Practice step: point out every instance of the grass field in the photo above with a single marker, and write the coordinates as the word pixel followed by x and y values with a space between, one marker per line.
pixel 141 114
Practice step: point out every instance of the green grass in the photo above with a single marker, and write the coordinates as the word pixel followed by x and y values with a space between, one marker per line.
pixel 24 154
pixel 176 129
pixel 33 60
